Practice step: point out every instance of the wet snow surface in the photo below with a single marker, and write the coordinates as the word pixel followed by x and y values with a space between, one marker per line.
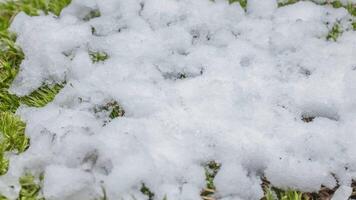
pixel 262 92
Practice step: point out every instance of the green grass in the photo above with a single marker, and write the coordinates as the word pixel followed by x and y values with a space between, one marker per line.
pixel 42 96
pixel 147 192
pixel 211 170
pixel 284 195
pixel 334 33
pixel 12 136
pixel 113 108
pixel 30 188
pixel 97 56
pixel 243 3
pixel 12 129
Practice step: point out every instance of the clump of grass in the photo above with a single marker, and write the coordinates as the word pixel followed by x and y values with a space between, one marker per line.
pixel 116 110
pixel 284 195
pixel 33 7
pixel 146 191
pixel 243 3
pixel 42 96
pixel 334 33
pixel 12 130
pixel 97 56
pixel 286 3
pixel 13 138
pixel 92 14
pixel 351 8
pixel 30 189
pixel 211 169
pixel 8 102
pixel 113 108
pixel 4 163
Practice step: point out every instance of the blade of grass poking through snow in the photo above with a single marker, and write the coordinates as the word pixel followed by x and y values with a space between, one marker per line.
pixel 42 96
pixel 334 33
pixel 97 56
pixel 286 3
pixel 211 169
pixel 146 191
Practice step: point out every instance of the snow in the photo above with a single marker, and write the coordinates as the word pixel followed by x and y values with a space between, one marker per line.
pixel 250 78
pixel 342 193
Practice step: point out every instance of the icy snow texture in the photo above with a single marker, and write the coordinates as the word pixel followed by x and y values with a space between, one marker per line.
pixel 342 193
pixel 249 79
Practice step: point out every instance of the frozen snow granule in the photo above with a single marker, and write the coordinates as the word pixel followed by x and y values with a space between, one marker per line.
pixel 342 193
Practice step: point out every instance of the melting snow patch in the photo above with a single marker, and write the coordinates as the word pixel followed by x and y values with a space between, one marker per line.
pixel 155 89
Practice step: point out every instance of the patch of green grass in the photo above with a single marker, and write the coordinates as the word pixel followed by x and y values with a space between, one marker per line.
pixel 284 195
pixel 30 189
pixel 8 102
pixel 334 33
pixel 4 163
pixel 12 138
pixel 243 3
pixel 351 8
pixel 42 96
pixel 97 56
pixel 32 7
pixel 286 3
pixel 12 129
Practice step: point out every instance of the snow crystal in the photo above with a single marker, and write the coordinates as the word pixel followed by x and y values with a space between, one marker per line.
pixel 262 92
